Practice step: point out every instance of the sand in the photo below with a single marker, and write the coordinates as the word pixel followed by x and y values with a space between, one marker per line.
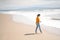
pixel 10 30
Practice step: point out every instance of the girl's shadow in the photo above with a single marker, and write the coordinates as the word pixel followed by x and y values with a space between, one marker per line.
pixel 29 34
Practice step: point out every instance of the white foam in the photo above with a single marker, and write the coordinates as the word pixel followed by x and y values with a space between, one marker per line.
pixel 30 16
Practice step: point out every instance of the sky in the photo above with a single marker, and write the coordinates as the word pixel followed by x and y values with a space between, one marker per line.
pixel 21 4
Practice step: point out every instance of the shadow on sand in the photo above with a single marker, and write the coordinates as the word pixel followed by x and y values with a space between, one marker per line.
pixel 29 34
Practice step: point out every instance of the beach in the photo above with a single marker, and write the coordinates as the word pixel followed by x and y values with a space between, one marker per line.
pixel 10 30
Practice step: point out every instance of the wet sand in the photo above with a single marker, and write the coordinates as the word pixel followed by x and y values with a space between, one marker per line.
pixel 10 30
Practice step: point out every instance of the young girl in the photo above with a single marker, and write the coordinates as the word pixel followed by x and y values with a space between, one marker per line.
pixel 38 23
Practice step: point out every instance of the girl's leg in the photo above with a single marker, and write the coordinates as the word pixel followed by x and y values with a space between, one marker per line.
pixel 40 28
pixel 36 28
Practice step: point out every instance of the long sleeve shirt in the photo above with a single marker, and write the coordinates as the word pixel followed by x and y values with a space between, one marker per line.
pixel 37 19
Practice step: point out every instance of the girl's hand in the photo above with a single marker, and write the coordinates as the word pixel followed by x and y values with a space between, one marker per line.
pixel 40 21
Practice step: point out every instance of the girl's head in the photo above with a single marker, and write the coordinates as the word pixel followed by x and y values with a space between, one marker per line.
pixel 38 15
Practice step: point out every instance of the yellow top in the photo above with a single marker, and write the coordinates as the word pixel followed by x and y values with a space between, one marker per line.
pixel 37 20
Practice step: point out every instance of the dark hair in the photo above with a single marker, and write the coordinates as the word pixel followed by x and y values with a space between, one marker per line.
pixel 38 14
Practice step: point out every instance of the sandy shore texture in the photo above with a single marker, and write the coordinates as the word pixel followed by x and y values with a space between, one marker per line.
pixel 10 30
